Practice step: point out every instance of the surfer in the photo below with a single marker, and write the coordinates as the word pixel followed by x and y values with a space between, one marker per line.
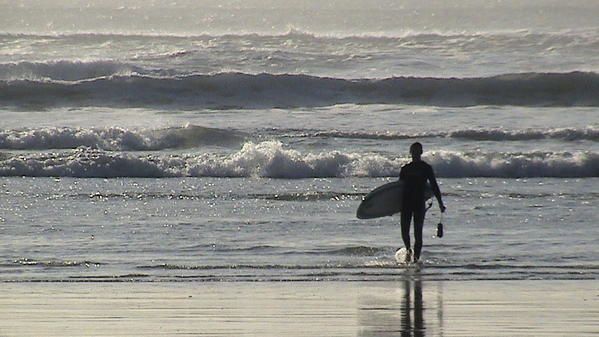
pixel 414 176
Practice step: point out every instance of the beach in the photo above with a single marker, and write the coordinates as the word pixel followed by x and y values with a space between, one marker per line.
pixel 402 308
pixel 195 167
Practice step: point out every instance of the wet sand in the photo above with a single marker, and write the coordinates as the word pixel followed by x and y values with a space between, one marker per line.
pixel 402 308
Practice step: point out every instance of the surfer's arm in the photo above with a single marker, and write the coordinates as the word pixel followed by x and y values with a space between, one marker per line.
pixel 436 190
pixel 402 176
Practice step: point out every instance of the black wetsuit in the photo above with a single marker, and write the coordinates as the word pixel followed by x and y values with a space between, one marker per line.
pixel 414 176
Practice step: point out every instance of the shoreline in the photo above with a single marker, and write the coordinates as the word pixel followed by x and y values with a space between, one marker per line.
pixel 409 307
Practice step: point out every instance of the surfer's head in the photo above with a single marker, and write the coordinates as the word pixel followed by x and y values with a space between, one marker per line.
pixel 416 150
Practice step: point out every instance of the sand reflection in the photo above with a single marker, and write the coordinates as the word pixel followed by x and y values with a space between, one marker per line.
pixel 402 311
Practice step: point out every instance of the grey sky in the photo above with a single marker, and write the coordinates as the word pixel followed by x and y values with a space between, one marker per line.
pixel 271 16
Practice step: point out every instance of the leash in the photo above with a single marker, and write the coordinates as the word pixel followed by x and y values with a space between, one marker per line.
pixel 440 224
pixel 440 227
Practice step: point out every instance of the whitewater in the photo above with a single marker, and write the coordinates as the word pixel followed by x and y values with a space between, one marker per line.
pixel 223 149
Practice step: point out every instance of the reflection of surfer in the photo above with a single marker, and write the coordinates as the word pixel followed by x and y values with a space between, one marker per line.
pixel 415 306
pixel 414 176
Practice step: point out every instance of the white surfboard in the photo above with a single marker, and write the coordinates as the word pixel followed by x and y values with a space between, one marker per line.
pixel 385 200
pixel 401 257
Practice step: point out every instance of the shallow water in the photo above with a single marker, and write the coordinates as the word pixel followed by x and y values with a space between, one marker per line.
pixel 268 229
pixel 238 143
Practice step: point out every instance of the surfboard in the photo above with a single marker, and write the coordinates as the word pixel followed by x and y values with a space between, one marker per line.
pixel 385 200
pixel 401 256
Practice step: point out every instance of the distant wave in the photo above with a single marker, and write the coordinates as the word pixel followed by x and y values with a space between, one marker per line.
pixel 589 133
pixel 494 134
pixel 64 70
pixel 585 36
pixel 272 159
pixel 115 138
pixel 238 90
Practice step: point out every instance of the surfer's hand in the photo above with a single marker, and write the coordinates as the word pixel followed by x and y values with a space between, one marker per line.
pixel 443 208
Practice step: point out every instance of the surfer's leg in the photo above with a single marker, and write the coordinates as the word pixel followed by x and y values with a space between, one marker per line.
pixel 406 216
pixel 419 214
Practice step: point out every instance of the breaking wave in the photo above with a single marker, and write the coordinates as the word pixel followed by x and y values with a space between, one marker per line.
pixel 241 91
pixel 494 134
pixel 116 138
pixel 272 159
pixel 64 70
pixel 123 139
pixel 582 37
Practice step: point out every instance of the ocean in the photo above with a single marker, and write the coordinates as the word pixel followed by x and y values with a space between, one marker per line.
pixel 155 141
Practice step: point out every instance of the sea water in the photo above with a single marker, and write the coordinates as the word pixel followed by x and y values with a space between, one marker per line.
pixel 229 142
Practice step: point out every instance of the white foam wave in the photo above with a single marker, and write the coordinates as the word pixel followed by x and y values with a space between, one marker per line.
pixel 515 165
pixel 63 70
pixel 272 159
pixel 117 138
pixel 589 133
pixel 123 139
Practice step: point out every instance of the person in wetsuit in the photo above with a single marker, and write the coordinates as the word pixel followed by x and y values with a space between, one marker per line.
pixel 414 176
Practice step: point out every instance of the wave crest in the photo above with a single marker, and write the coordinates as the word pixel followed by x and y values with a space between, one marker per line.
pixel 64 70
pixel 493 134
pixel 238 90
pixel 576 37
pixel 116 138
